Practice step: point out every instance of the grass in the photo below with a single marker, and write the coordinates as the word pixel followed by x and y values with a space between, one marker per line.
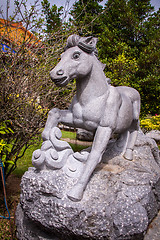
pixel 26 161
pixel 67 134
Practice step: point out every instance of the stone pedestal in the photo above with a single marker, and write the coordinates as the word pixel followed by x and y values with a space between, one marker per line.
pixel 120 200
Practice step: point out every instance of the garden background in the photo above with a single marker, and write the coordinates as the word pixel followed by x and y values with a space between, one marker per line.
pixel 128 33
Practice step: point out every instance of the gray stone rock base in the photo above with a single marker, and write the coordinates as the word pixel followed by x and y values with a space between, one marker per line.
pixel 119 202
pixel 153 232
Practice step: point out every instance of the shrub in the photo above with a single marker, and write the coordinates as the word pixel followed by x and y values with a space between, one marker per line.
pixel 27 92
pixel 151 123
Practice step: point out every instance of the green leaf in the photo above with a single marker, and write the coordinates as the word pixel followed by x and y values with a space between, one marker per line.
pixel 10 162
pixel 10 130
pixel 2 132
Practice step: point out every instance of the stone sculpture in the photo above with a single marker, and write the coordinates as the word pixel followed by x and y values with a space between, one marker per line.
pixel 108 191
pixel 84 135
pixel 97 107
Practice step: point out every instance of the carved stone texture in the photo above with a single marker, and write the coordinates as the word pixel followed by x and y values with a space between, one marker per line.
pixel 84 135
pixel 155 134
pixel 120 200
pixel 96 107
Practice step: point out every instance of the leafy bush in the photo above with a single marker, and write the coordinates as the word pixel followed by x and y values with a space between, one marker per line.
pixel 27 92
pixel 151 123
pixel 4 146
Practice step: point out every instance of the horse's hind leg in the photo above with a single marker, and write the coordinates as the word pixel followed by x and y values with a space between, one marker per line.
pixel 131 142
pixel 133 130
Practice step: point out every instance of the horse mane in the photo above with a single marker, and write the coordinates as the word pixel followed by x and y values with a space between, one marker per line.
pixel 87 44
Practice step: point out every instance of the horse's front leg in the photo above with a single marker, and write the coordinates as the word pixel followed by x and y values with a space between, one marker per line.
pixel 56 116
pixel 99 146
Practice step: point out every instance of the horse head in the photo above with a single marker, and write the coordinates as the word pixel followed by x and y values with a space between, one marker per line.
pixel 76 61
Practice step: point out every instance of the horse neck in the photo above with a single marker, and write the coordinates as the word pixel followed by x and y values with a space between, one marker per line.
pixel 91 86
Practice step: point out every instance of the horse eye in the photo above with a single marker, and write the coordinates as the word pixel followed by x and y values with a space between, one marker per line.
pixel 76 56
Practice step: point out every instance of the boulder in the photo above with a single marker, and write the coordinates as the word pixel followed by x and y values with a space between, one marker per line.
pixel 155 134
pixel 119 202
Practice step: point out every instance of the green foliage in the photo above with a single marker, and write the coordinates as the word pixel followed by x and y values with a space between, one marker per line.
pixel 151 123
pixel 121 69
pixel 5 147
pixel 149 70
pixel 85 16
pixel 125 18
pixel 52 15
pixel 4 129
pixel 129 45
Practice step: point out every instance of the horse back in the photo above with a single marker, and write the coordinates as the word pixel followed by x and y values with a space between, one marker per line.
pixel 131 93
pixel 134 96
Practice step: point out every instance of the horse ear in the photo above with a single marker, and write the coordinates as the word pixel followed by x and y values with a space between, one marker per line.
pixel 91 40
pixel 88 44
pixel 95 40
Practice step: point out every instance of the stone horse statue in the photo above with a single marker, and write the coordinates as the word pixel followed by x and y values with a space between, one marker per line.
pixel 97 106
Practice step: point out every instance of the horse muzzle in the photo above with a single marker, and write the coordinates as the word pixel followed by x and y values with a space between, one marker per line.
pixel 61 81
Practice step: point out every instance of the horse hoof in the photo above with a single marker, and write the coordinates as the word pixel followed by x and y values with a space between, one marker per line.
pixel 129 154
pixel 76 193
